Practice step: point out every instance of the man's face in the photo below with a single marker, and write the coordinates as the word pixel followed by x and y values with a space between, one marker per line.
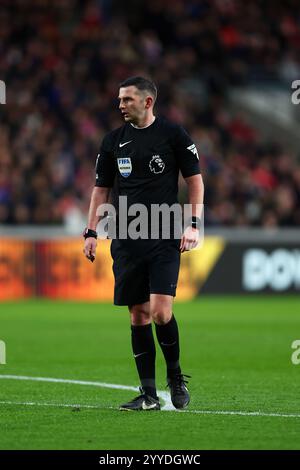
pixel 133 104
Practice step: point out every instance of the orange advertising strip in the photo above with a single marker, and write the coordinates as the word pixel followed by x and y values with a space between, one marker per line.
pixel 57 269
pixel 17 269
pixel 65 273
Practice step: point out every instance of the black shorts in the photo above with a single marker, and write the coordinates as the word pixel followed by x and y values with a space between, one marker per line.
pixel 144 267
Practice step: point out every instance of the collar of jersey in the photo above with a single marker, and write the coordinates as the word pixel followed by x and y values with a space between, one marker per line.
pixel 145 127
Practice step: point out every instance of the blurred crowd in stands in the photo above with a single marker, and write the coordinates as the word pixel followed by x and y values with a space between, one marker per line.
pixel 62 61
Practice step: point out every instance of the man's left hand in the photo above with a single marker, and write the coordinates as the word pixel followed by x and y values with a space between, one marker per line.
pixel 189 239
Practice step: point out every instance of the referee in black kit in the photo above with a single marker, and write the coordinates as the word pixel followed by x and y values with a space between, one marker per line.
pixel 142 160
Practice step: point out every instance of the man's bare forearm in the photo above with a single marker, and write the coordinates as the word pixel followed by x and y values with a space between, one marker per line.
pixel 195 194
pixel 99 196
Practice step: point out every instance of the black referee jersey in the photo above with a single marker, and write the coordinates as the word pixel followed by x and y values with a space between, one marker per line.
pixel 143 163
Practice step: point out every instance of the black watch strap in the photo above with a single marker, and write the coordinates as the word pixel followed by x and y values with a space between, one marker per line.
pixel 88 233
pixel 195 222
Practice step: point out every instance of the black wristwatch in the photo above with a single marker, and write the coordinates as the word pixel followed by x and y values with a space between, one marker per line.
pixel 88 233
pixel 195 222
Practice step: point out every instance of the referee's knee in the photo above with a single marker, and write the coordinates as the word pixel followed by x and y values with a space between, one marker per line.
pixel 139 314
pixel 161 316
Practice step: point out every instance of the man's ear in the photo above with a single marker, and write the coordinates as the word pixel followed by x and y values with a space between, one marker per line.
pixel 149 102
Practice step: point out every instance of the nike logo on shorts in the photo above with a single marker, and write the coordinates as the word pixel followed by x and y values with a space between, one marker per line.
pixel 124 143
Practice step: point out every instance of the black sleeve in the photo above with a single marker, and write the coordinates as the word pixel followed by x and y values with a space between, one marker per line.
pixel 105 165
pixel 186 153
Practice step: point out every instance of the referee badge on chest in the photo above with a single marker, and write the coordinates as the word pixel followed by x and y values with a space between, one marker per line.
pixel 125 166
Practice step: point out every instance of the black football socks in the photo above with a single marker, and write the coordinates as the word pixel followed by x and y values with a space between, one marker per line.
pixel 143 347
pixel 168 338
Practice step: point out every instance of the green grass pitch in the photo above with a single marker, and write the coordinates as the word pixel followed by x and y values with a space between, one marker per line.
pixel 237 350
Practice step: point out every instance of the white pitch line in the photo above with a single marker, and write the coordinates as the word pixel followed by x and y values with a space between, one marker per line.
pixel 69 381
pixel 241 413
pixel 62 405
pixel 162 394
pixel 202 412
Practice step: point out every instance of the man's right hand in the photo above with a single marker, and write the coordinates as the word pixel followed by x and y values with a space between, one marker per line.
pixel 89 249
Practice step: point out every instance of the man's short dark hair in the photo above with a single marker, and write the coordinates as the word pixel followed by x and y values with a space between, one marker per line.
pixel 142 84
